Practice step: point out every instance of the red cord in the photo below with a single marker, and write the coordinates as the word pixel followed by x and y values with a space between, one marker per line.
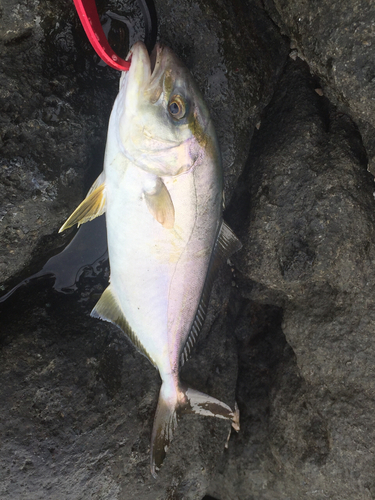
pixel 91 23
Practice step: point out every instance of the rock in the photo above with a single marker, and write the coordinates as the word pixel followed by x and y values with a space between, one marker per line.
pixel 306 273
pixel 78 402
pixel 56 104
pixel 236 55
pixel 337 40
pixel 53 128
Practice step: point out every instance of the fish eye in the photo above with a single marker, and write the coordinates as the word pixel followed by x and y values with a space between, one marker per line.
pixel 177 107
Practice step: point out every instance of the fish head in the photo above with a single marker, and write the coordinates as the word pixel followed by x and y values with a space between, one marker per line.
pixel 163 124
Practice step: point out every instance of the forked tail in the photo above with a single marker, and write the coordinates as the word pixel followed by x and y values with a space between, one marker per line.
pixel 173 403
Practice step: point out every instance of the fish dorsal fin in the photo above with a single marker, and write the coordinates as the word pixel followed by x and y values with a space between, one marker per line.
pixel 160 204
pixel 91 207
pixel 226 244
pixel 108 309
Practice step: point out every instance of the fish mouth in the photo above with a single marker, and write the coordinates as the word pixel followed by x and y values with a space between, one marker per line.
pixel 153 60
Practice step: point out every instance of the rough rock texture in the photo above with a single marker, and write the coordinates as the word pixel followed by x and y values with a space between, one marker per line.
pixel 309 254
pixel 78 403
pixel 52 126
pixel 337 39
pixel 236 55
pixel 289 333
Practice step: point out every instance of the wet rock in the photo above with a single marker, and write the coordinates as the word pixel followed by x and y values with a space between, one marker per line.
pixel 52 127
pixel 338 42
pixel 56 101
pixel 78 403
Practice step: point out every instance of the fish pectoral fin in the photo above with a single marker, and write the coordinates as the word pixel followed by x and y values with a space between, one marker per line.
pixel 109 309
pixel 160 205
pixel 92 206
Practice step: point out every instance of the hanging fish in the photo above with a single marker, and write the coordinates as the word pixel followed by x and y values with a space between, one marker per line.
pixel 162 192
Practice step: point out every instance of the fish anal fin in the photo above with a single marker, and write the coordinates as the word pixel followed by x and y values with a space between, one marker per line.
pixel 160 204
pixel 225 245
pixel 108 309
pixel 92 206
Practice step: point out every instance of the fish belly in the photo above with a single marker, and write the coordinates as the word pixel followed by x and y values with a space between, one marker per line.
pixel 157 274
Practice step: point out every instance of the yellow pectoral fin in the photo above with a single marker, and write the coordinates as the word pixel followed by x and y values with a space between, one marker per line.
pixel 92 206
pixel 160 205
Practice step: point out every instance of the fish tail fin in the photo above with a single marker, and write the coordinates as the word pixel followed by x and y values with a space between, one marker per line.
pixel 165 423
pixel 169 409
pixel 203 404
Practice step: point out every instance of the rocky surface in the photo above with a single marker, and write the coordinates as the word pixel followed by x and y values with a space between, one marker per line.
pixel 337 41
pixel 52 127
pixel 236 55
pixel 79 403
pixel 289 333
pixel 307 266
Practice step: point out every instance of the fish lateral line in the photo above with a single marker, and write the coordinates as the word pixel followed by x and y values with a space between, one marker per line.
pixel 226 244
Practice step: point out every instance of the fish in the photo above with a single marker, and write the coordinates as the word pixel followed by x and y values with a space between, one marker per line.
pixel 161 190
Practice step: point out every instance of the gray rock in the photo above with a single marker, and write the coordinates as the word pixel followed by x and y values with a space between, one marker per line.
pixel 57 100
pixel 53 126
pixel 306 273
pixel 236 55
pixel 289 333
pixel 78 402
pixel 337 39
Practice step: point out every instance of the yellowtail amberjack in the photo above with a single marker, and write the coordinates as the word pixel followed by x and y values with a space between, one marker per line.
pixel 162 192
